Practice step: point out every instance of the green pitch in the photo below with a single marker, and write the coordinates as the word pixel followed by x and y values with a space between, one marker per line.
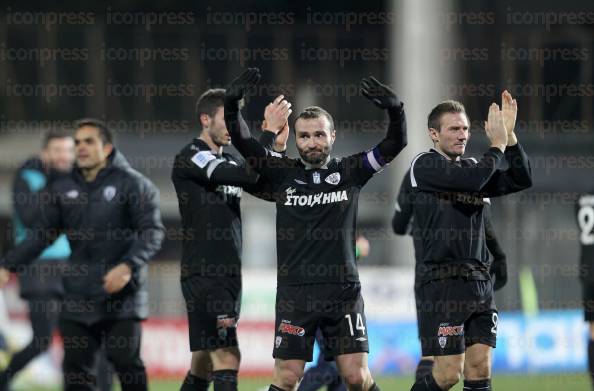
pixel 569 382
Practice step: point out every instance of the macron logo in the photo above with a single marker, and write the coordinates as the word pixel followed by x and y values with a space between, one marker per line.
pixel 316 199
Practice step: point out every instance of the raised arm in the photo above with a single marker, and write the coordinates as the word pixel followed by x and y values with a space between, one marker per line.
pixel 363 165
pixel 384 98
pixel 241 137
pixel 518 176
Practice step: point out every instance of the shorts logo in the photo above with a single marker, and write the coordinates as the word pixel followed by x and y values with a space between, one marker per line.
pixel 277 341
pixel 442 341
pixel 287 328
pixel 445 331
pixel 109 192
pixel 333 179
pixel 225 322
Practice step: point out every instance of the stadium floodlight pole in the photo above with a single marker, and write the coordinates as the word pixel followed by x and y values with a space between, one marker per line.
pixel 418 41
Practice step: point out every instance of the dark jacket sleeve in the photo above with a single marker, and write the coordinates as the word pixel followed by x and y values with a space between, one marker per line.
pixel 145 220
pixel 404 208
pixel 430 172
pixel 24 201
pixel 46 228
pixel 492 242
pixel 517 177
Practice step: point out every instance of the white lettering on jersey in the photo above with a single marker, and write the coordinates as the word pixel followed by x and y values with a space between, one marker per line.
pixel 229 190
pixel 315 199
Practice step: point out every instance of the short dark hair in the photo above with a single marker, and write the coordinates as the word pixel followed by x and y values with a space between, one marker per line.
pixel 209 102
pixel 104 132
pixel 54 134
pixel 315 112
pixel 448 106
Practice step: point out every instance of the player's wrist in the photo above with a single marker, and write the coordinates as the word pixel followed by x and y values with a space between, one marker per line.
pixel 512 139
pixel 279 147
pixel 500 145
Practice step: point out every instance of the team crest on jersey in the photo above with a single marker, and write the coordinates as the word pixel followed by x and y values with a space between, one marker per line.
pixel 109 192
pixel 72 194
pixel 316 177
pixel 333 178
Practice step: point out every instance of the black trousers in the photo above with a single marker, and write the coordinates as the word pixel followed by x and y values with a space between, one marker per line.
pixel 121 342
pixel 44 313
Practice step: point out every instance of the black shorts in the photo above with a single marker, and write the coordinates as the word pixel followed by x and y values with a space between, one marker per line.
pixel 588 296
pixel 455 313
pixel 337 310
pixel 213 305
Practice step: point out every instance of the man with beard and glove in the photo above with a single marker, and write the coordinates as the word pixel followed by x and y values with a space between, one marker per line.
pixel 316 198
pixel 457 315
pixel 110 216
pixel 209 183
pixel 403 224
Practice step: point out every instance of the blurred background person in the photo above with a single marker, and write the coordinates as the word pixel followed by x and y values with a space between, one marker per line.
pixel 40 282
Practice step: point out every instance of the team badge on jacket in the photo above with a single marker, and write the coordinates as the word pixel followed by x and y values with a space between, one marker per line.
pixel 109 192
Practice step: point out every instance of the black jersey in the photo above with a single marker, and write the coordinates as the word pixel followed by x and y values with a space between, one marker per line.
pixel 316 207
pixel 585 219
pixel 451 197
pixel 404 223
pixel 209 188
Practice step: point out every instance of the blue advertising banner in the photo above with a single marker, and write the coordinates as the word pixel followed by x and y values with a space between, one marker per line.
pixel 552 341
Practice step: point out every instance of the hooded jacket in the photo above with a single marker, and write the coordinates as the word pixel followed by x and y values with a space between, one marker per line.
pixel 111 220
pixel 41 278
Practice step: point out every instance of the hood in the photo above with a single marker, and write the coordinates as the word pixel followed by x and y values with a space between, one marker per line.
pixel 115 161
pixel 33 163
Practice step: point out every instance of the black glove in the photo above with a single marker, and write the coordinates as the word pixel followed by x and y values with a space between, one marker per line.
pixel 498 273
pixel 237 88
pixel 381 95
